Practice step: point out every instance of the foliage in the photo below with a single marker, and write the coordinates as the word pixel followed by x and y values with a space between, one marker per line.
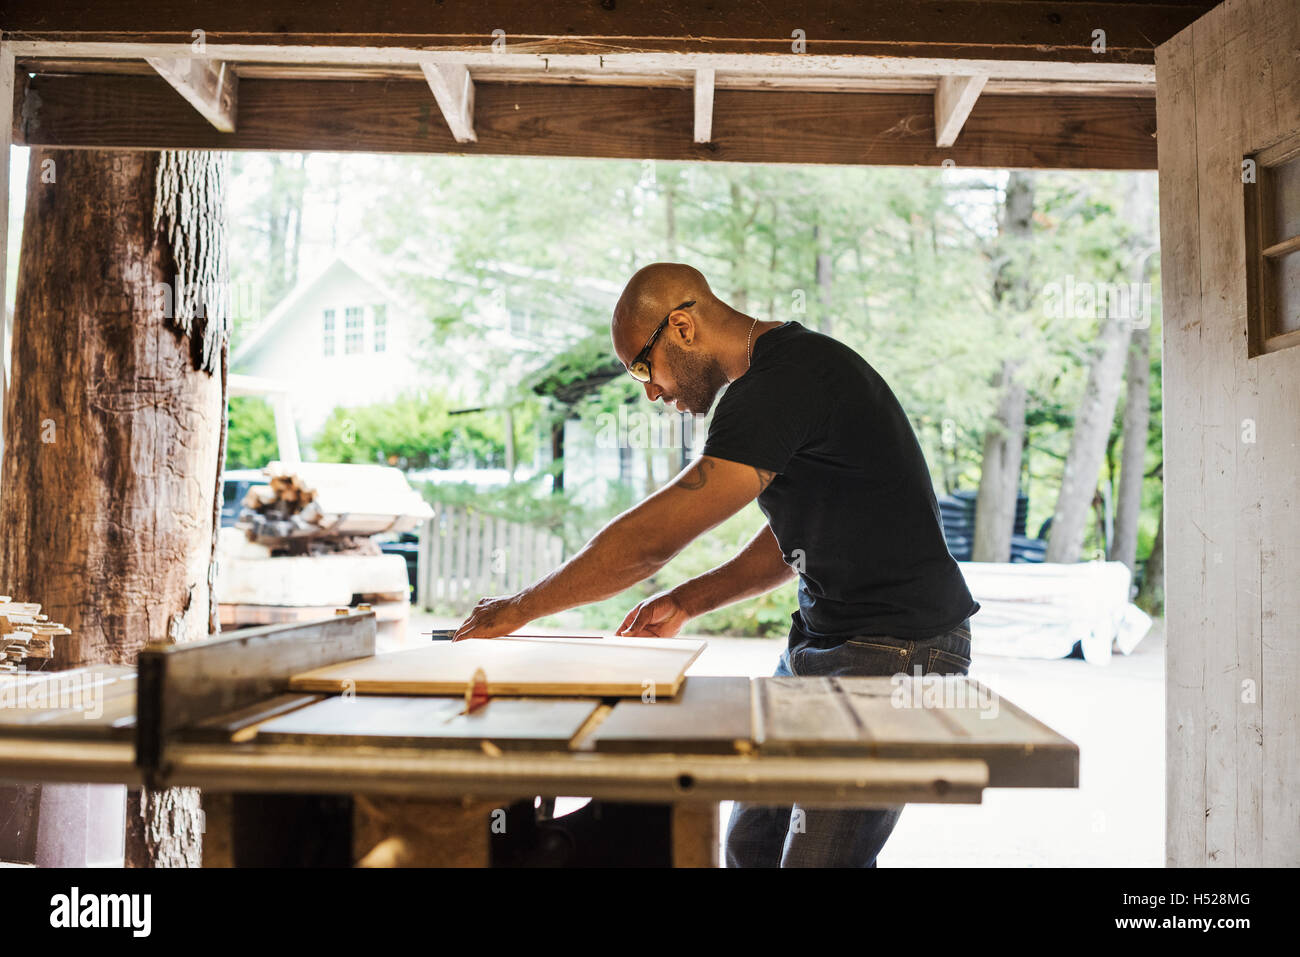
pixel 900 264
pixel 413 432
pixel 250 433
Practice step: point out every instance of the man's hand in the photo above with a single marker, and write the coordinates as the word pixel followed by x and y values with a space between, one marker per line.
pixel 659 616
pixel 492 618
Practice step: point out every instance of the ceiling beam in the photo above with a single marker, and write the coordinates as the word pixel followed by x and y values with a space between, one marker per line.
pixel 997 29
pixel 453 89
pixel 953 101
pixel 396 116
pixel 210 86
pixel 704 80
pixel 776 65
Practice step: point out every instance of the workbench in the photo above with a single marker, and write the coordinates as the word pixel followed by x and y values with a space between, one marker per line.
pixel 291 778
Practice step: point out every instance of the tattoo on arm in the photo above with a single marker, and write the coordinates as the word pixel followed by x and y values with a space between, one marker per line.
pixel 764 478
pixel 698 477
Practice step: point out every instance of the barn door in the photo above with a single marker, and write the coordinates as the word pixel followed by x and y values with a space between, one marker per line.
pixel 1228 116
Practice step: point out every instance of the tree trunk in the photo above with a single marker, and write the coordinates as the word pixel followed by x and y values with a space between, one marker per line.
pixel 1096 413
pixel 823 272
pixel 1151 596
pixel 1092 425
pixel 115 420
pixel 995 503
pixel 1004 441
pixel 1137 420
pixel 557 456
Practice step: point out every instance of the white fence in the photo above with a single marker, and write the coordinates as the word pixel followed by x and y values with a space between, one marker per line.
pixel 466 555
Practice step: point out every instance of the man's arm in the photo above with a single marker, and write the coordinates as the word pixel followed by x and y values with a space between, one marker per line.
pixel 630 548
pixel 759 567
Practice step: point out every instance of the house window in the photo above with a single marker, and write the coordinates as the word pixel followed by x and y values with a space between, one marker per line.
pixel 327 332
pixel 354 330
pixel 381 328
pixel 1273 247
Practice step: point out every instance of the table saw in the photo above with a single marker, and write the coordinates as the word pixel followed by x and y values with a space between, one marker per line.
pixel 303 778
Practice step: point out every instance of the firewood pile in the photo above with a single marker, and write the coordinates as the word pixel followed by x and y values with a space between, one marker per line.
pixel 315 508
pixel 283 508
pixel 26 636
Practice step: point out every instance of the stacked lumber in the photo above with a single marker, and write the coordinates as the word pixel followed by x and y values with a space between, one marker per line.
pixel 327 501
pixel 26 636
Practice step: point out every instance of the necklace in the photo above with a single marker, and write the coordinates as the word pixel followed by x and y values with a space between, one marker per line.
pixel 749 344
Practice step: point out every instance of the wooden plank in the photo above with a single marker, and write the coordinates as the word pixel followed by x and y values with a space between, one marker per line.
pixel 1228 391
pixel 210 86
pixel 964 719
pixel 802 715
pixel 241 724
pixel 517 119
pixel 508 723
pixel 821 74
pixel 516 666
pixel 1241 758
pixel 1183 503
pixel 94 702
pixel 953 101
pixel 453 90
pixel 932 718
pixel 708 715
pixel 1024 29
pixel 704 82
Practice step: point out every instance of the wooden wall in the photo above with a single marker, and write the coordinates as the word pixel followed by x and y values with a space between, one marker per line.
pixel 1226 86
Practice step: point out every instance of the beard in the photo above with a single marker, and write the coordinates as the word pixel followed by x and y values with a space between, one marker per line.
pixel 699 378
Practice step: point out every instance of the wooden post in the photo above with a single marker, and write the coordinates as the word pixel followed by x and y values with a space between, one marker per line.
pixel 115 420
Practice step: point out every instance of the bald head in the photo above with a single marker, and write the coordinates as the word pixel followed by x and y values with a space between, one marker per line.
pixel 699 349
pixel 654 290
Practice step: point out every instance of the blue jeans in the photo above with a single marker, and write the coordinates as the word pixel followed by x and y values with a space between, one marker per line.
pixel 797 836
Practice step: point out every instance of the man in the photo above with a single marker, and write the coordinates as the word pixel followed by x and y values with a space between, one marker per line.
pixel 812 432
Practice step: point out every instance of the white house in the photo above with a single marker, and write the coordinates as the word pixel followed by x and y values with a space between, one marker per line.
pixel 341 337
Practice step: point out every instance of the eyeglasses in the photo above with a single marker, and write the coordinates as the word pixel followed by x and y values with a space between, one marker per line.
pixel 640 366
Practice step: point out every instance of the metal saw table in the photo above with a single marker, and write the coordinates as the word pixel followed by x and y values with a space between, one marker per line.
pixel 291 778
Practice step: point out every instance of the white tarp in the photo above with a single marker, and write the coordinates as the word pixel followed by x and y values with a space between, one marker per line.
pixel 1030 610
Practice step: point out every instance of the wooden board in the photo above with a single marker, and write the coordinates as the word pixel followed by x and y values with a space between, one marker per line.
pixel 96 701
pixel 749 126
pixel 1004 29
pixel 875 717
pixel 517 666
pixel 709 715
pixel 509 723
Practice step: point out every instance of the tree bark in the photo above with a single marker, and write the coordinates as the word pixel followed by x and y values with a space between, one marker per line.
pixel 1004 440
pixel 1137 421
pixel 115 420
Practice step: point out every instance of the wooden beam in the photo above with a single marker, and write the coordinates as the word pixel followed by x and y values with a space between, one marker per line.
pixel 953 101
pixel 997 29
pixel 501 64
pixel 210 86
pixel 453 89
pixel 704 80
pixel 6 128
pixel 398 116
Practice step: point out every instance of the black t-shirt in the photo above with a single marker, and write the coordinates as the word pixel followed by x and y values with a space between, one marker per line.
pixel 852 506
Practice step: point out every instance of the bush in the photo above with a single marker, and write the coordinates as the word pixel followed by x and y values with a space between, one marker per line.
pixel 250 433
